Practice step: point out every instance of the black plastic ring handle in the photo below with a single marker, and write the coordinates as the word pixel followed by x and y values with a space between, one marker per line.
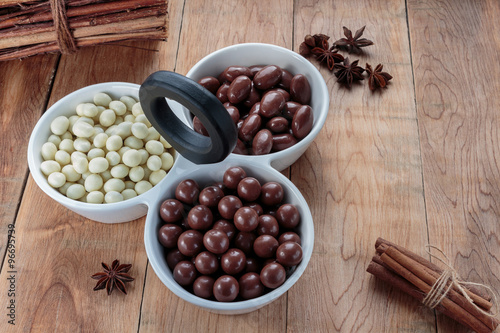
pixel 199 101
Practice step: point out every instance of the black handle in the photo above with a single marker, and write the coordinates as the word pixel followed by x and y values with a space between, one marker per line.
pixel 199 101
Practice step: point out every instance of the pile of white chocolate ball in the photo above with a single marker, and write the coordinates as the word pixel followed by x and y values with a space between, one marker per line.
pixel 107 152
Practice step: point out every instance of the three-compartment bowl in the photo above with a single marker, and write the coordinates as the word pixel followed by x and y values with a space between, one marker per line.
pixel 263 167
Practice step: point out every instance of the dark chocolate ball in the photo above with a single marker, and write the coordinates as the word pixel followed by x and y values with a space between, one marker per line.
pixel 249 189
pixel 187 191
pixel 255 206
pixel 268 225
pixel 244 241
pixel 226 288
pixel 289 254
pixel 246 219
pixel 206 263
pixel 171 210
pixel 273 275
pixel 271 194
pixel 253 265
pixel 250 286
pixel 216 241
pixel 200 217
pixel 233 176
pixel 190 242
pixel 203 286
pixel 265 246
pixel 228 205
pixel 174 257
pixel 210 196
pixel 168 235
pixel 227 227
pixel 288 216
pixel 233 261
pixel 184 273
pixel 289 236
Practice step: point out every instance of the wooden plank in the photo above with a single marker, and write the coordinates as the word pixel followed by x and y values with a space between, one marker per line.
pixel 206 27
pixel 368 182
pixel 24 89
pixel 59 250
pixel 455 47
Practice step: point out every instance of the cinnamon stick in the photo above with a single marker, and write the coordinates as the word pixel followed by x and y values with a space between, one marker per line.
pixel 480 301
pixel 385 274
pixel 428 264
pixel 430 280
pixel 462 315
pixel 45 14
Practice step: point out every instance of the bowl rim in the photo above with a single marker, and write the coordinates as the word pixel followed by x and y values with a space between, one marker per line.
pixel 159 268
pixel 308 67
pixel 48 117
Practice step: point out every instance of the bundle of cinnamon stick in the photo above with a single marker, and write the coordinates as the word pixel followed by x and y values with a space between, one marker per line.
pixel 416 276
pixel 29 27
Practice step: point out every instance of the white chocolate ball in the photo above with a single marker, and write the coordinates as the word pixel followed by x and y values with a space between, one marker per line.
pixel 107 118
pixel 154 147
pixel 113 196
pixel 154 163
pixel 75 191
pixel 142 187
pixel 114 184
pixel 70 173
pixel 131 158
pixel 128 101
pixel 118 107
pixel 48 167
pixel 140 130
pixel 62 157
pixel 59 125
pixel 136 174
pixel 120 171
pixel 156 176
pixel 128 194
pixel 67 145
pixel 114 143
pixel 167 160
pixel 137 109
pixel 56 179
pixel 93 182
pixel 98 165
pixel 96 197
pixel 49 151
pixel 102 99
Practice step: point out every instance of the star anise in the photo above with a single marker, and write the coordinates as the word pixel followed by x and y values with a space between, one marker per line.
pixel 353 44
pixel 116 276
pixel 377 78
pixel 347 73
pixel 327 54
pixel 310 42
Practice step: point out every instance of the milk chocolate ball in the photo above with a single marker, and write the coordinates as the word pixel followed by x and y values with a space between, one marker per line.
pixel 226 288
pixel 250 286
pixel 171 210
pixel 273 275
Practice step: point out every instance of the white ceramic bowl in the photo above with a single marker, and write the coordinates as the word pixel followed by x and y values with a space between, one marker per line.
pixel 127 210
pixel 209 174
pixel 265 167
pixel 266 54
pixel 262 167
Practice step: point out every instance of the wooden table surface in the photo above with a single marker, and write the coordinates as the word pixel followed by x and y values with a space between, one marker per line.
pixel 416 163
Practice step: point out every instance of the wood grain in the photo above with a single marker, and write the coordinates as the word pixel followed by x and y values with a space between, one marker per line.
pixel 248 21
pixel 24 91
pixel 414 163
pixel 60 249
pixel 368 182
pixel 455 51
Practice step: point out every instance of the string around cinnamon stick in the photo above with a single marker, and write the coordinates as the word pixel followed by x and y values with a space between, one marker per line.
pixel 419 278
